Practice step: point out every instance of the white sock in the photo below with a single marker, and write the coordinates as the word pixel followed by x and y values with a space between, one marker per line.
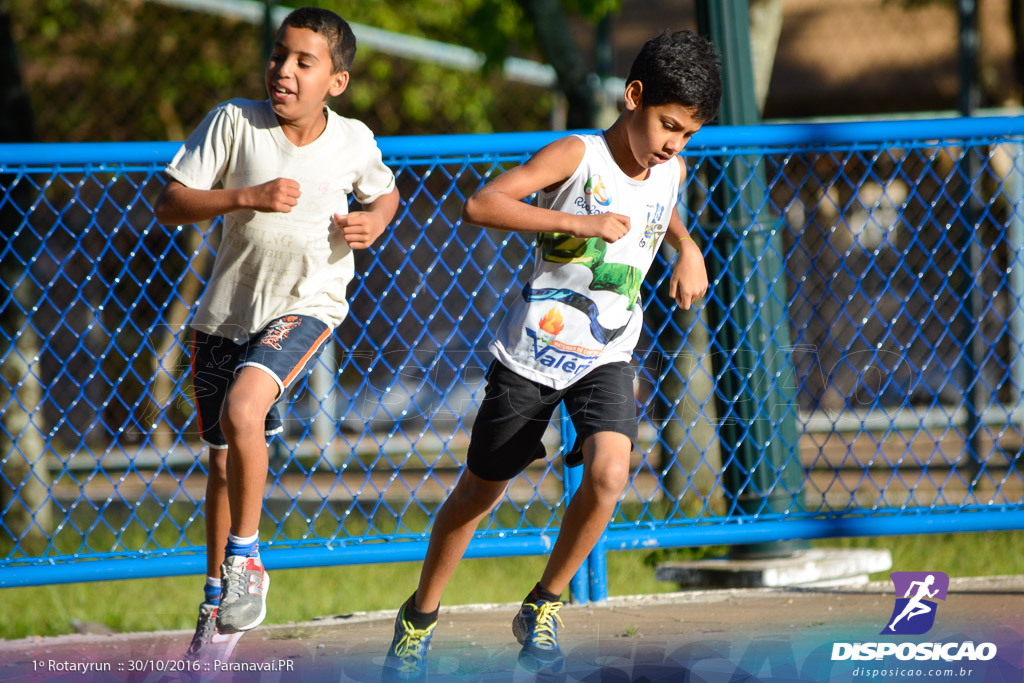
pixel 240 540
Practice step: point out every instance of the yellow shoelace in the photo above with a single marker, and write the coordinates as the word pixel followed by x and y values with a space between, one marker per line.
pixel 409 647
pixel 547 615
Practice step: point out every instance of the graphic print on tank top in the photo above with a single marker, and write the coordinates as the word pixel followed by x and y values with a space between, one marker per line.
pixel 580 308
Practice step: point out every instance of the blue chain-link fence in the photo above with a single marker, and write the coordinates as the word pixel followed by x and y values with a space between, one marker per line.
pixel 856 370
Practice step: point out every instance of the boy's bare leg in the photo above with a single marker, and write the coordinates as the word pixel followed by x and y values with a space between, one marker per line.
pixel 207 644
pixel 243 415
pixel 218 513
pixel 605 475
pixel 243 420
pixel 454 526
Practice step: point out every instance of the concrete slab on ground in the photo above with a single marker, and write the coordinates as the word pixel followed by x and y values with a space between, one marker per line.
pixel 815 567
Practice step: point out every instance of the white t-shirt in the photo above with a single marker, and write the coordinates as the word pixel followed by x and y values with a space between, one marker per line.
pixel 581 307
pixel 274 264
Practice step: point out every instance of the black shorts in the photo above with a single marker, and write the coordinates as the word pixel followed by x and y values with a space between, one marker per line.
pixel 507 433
pixel 286 349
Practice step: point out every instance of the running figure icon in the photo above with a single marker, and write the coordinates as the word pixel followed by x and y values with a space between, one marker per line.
pixel 915 607
pixel 919 591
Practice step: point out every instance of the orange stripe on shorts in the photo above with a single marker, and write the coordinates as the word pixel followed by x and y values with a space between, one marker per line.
pixel 302 363
pixel 195 399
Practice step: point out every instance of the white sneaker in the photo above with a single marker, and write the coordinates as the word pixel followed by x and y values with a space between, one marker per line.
pixel 208 644
pixel 243 604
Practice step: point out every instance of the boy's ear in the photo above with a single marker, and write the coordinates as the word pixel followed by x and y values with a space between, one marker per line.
pixel 339 81
pixel 633 95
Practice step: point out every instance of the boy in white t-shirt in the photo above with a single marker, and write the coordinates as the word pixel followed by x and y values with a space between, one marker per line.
pixel 286 167
pixel 604 204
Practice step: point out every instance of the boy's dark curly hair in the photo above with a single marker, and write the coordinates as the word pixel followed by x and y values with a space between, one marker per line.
pixel 680 67
pixel 341 42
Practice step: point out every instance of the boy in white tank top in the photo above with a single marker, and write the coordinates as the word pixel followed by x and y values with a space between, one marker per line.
pixel 605 203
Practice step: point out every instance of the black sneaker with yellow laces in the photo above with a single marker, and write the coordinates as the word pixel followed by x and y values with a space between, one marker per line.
pixel 536 629
pixel 407 657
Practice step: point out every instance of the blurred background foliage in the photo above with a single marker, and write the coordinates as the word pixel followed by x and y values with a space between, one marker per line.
pixel 111 70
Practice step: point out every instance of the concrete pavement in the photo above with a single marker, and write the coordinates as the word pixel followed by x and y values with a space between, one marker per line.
pixel 761 634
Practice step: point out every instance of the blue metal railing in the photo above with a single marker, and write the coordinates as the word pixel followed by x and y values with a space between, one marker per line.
pixel 102 471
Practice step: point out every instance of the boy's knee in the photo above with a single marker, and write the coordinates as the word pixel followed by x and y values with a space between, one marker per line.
pixel 241 414
pixel 609 476
pixel 606 457
pixel 474 492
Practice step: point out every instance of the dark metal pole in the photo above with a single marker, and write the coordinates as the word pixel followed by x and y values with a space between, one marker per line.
pixel 973 342
pixel 967 20
pixel 269 29
pixel 603 47
pixel 750 353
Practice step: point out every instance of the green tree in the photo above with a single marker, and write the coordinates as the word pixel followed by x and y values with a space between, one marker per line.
pixel 133 70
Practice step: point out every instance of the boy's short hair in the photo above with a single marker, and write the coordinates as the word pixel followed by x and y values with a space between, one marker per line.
pixel 341 42
pixel 682 68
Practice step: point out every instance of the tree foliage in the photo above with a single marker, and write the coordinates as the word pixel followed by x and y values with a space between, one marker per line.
pixel 134 70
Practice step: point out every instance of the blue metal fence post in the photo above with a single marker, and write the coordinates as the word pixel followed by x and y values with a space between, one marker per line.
pixel 579 587
pixel 597 570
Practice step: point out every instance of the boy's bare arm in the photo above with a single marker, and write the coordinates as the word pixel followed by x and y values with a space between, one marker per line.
pixel 689 280
pixel 178 204
pixel 498 204
pixel 361 229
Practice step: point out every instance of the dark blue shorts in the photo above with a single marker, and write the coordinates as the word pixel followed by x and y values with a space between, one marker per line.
pixel 286 349
pixel 515 412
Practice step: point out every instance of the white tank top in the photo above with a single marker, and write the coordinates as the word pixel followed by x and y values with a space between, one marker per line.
pixel 581 306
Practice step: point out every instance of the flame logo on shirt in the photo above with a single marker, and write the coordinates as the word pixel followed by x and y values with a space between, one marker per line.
pixel 552 322
pixel 595 188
